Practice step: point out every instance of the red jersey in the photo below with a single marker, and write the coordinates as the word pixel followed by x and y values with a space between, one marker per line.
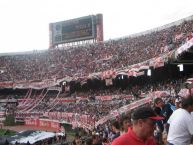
pixel 130 138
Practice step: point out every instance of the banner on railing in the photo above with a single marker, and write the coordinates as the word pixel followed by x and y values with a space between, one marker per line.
pixel 103 98
pixel 6 84
pixel 132 106
pixel 80 119
pixel 43 123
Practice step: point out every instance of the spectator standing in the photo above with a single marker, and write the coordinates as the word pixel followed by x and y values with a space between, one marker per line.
pixel 125 124
pixel 163 110
pixel 116 129
pixel 78 141
pixel 181 124
pixel 141 133
pixel 96 139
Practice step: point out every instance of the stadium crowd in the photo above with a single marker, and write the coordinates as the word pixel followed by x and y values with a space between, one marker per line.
pixel 93 103
pixel 90 106
pixel 83 60
pixel 153 123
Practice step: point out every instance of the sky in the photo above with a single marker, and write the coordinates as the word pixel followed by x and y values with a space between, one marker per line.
pixel 24 24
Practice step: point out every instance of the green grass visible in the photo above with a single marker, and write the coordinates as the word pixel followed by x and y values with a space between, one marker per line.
pixel 2 132
pixel 6 132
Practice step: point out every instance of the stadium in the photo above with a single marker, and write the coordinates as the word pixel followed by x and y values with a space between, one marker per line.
pixel 82 84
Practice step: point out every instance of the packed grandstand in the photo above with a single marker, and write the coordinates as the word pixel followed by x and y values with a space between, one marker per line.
pixel 92 85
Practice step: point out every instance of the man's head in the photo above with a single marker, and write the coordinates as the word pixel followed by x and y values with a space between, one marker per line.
pixel 187 103
pixel 125 123
pixel 78 141
pixel 144 120
pixel 159 102
pixel 116 127
pixel 95 139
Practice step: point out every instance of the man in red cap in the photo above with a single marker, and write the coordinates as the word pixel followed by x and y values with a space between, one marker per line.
pixel 141 132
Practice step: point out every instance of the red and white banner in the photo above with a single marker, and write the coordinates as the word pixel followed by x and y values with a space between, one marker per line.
pixel 28 114
pixel 43 123
pixel 108 74
pixel 124 109
pixel 103 98
pixel 6 84
pixel 132 106
pixel 189 81
pixel 159 94
pixel 185 92
pixel 73 118
pixel 184 47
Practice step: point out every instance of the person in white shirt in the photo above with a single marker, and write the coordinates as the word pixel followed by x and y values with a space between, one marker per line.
pixel 181 124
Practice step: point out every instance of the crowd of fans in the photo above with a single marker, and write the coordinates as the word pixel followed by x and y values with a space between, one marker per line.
pixel 112 129
pixel 153 123
pixel 83 60
pixel 91 102
pixel 155 132
pixel 100 108
pixel 113 54
pixel 96 108
pixel 116 132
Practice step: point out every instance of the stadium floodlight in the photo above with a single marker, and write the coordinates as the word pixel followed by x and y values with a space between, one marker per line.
pixel 149 72
pixel 64 83
pixel 181 67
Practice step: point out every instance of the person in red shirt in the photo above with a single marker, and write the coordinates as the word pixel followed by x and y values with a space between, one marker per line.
pixel 141 132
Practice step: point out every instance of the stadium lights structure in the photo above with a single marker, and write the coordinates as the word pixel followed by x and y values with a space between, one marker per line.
pixel 149 72
pixel 181 67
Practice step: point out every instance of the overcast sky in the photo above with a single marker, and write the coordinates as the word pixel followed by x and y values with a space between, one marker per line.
pixel 24 23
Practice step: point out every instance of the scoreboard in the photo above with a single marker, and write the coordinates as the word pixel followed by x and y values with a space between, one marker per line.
pixel 83 28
